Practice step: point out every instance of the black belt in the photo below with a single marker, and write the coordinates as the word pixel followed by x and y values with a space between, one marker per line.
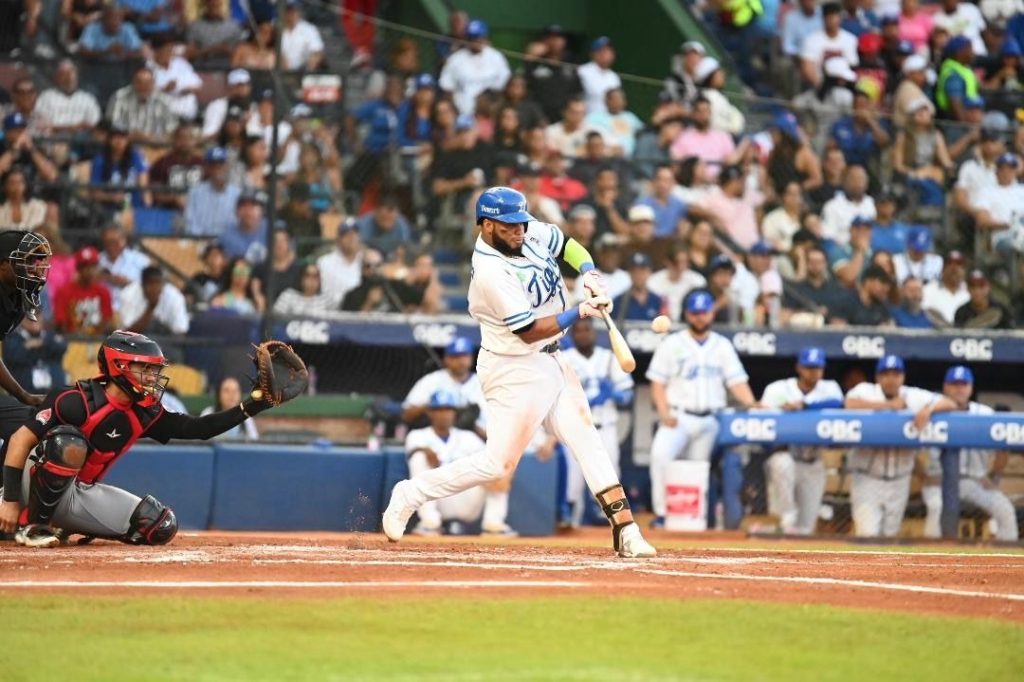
pixel 706 413
pixel 550 348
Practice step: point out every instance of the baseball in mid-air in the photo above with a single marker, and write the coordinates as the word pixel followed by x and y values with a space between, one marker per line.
pixel 661 324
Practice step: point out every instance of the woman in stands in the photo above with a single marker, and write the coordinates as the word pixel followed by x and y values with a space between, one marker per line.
pixel 18 209
pixel 306 299
pixel 700 246
pixel 919 155
pixel 120 164
pixel 257 53
pixel 250 172
pixel 324 179
pixel 229 394
pixel 232 134
pixel 238 295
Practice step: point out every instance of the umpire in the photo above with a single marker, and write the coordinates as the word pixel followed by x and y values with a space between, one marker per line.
pixel 24 262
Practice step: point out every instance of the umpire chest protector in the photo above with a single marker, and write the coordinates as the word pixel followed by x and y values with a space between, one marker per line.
pixel 111 428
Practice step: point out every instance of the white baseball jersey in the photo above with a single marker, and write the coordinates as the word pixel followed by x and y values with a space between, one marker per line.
pixel 507 293
pixel 974 462
pixel 778 393
pixel 468 392
pixel 601 365
pixel 888 463
pixel 696 374
pixel 459 443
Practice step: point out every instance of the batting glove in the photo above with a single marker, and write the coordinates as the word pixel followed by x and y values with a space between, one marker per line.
pixel 593 282
pixel 594 306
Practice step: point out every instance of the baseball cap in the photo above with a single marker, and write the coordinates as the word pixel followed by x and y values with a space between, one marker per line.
pixel 838 67
pixel 861 221
pixel 641 213
pixel 991 134
pixel 919 238
pixel 465 122
pixel 15 120
pixel 554 30
pixel 958 374
pixel 914 62
pixel 600 43
pixel 889 19
pixel 812 357
pixel 876 272
pixel 721 262
pixel 529 169
pixel 216 155
pixel 239 77
pixel 347 225
pixel 904 47
pixel 87 255
pixel 477 28
pixel 1008 159
pixel 760 248
pixel 890 363
pixel 785 123
pixel 212 246
pixel 443 400
pixel 729 173
pixel 956 43
pixel 235 111
pixel 639 260
pixel 830 8
pixel 699 302
pixel 424 81
pixel 705 67
pixel 582 211
pixel 917 104
pixel 953 257
pixel 1011 48
pixel 266 95
pixel 976 277
pixel 869 43
pixel 974 103
pixel 251 197
pixel 693 46
pixel 460 345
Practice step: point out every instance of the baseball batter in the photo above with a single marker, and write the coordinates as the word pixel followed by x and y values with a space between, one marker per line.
pixel 977 468
pixel 796 477
pixel 608 389
pixel 881 476
pixel 690 373
pixel 517 295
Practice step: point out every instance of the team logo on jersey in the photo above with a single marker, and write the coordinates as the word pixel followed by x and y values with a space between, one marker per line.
pixel 43 416
pixel 113 433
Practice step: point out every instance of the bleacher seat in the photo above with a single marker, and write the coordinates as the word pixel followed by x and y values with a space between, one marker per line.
pixel 457 304
pixel 154 222
pixel 80 360
pixel 186 380
pixel 450 278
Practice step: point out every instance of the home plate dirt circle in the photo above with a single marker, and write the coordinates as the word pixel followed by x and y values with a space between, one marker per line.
pixel 291 565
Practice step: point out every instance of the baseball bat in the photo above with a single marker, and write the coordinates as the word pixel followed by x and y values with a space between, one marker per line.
pixel 619 348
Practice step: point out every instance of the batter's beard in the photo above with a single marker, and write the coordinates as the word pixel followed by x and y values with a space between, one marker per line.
pixel 503 247
pixel 699 330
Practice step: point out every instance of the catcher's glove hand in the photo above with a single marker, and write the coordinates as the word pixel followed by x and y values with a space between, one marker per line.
pixel 280 373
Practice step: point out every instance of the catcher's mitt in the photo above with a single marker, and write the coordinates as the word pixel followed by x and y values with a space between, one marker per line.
pixel 280 373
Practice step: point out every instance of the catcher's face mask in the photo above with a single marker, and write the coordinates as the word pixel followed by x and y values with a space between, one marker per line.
pixel 31 263
pixel 148 379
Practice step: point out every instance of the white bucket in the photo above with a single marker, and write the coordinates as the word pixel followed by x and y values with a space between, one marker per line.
pixel 686 495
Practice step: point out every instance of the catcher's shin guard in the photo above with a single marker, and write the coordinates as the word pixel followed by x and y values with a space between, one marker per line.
pixel 61 454
pixel 615 505
pixel 152 523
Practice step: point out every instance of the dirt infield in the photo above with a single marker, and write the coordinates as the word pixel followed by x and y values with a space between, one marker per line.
pixel 937 581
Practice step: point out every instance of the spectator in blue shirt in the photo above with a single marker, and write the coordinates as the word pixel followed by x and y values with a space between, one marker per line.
pixel 888 233
pixel 384 228
pixel 120 164
pixel 414 124
pixel 639 302
pixel 210 207
pixel 149 16
pixel 858 20
pixel 669 209
pixel 800 22
pixel 909 314
pixel 380 116
pixel 110 39
pixel 860 135
pixel 246 236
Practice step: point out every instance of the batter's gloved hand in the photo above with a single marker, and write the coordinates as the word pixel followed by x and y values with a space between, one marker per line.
pixel 280 373
pixel 594 306
pixel 593 282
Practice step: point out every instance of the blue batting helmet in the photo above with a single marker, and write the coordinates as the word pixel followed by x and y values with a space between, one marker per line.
pixel 700 302
pixel 503 204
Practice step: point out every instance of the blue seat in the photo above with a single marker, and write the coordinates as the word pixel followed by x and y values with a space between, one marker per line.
pixel 450 279
pixel 154 222
pixel 457 304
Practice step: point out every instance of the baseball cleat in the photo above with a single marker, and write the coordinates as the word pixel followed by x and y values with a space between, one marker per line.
pixel 632 544
pixel 36 535
pixel 502 530
pixel 399 511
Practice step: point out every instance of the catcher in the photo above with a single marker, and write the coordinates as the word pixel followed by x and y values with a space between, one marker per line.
pixel 55 461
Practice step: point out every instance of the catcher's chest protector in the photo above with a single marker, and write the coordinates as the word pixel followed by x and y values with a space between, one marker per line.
pixel 110 429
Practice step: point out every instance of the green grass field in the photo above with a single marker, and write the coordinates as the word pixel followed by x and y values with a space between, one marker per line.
pixel 474 637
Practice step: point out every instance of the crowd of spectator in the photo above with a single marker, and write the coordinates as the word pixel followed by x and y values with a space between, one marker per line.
pixel 830 210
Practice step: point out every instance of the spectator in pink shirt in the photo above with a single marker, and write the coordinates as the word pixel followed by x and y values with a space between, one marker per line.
pixel 915 25
pixel 730 209
pixel 714 147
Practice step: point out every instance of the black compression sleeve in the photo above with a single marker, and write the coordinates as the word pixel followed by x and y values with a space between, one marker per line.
pixel 12 484
pixel 186 427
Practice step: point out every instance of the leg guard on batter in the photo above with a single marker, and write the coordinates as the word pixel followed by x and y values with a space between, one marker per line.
pixel 615 505
pixel 61 454
pixel 152 523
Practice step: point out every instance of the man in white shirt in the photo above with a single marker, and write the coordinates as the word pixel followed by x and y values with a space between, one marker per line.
pixel 881 476
pixel 1001 207
pixel 831 41
pixel 341 270
pixel 946 294
pixel 175 78
pixel 675 280
pixel 154 306
pixel 473 69
pixel 302 48
pixel 121 264
pixel 838 212
pixel 608 258
pixel 68 109
pixel 796 475
pixel 239 94
pixel 597 76
pixel 918 260
pixel 962 19
pixel 979 173
pixel 456 377
pixel 569 136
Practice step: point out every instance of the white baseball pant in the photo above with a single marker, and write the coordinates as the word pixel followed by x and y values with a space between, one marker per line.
pixel 465 506
pixel 795 490
pixel 523 392
pixel 693 438
pixel 574 476
pixel 878 505
pixel 992 501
